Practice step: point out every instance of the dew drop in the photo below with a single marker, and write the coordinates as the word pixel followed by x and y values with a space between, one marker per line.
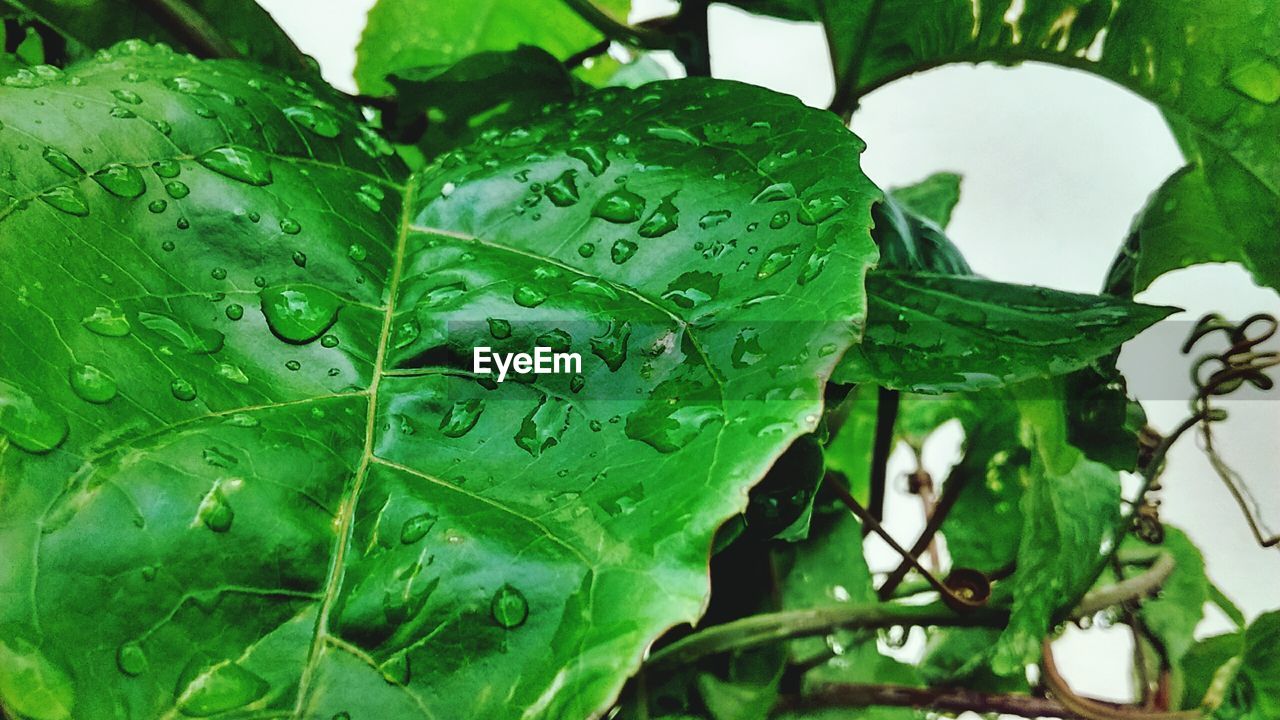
pixel 611 346
pixel 461 417
pixel 107 322
pixel 416 528
pixel 500 329
pixel 177 189
pixel 528 296
pixel 235 311
pixel 586 250
pixel 542 428
pixel 299 258
pixel 713 218
pixel 66 198
pixel 158 206
pixel 594 158
pixel 121 180
pixel 166 169
pixel 622 251
pixel 299 313
pixel 182 390
pixel 127 96
pixel 316 120
pixel 289 226
pixel 508 607
pixel 776 260
pixel 27 424
pixel 62 161
pixel 91 384
pixel 620 206
pixel 207 689
pixel 238 163
pixel 329 341
pixel 130 659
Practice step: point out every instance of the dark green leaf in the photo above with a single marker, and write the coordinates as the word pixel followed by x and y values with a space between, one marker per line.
pixel 403 34
pixel 1173 616
pixel 1254 694
pixel 208 28
pixel 781 506
pixel 933 198
pixel 1070 506
pixel 490 90
pixel 1206 65
pixel 242 417
pixel 911 243
pixel 1202 663
pixel 936 333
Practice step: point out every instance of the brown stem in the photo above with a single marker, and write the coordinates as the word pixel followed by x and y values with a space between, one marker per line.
pixel 766 628
pixel 886 417
pixel 950 493
pixel 1091 709
pixel 948 700
pixel 195 30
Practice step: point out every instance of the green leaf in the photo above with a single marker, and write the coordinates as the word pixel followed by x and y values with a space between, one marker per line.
pixel 1204 64
pixel 936 333
pixel 208 28
pixel 933 198
pixel 486 91
pixel 1173 616
pixel 256 473
pixel 849 451
pixel 403 34
pixel 781 506
pixel 912 243
pixel 1070 506
pixel 1254 693
pixel 1200 666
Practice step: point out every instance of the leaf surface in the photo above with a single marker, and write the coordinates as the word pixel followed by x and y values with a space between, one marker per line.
pixel 937 333
pixel 1210 68
pixel 403 34
pixel 242 416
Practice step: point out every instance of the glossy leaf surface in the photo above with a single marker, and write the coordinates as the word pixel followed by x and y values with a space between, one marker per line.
pixel 937 333
pixel 1211 68
pixel 403 34
pixel 242 413
pixel 208 28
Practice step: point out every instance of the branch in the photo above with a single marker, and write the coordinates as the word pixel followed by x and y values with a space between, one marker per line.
pixel 950 494
pixel 886 418
pixel 948 700
pixel 621 32
pixel 847 94
pixel 201 35
pixel 766 628
pixel 1091 709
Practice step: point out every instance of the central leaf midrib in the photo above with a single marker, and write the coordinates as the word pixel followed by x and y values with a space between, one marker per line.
pixel 346 513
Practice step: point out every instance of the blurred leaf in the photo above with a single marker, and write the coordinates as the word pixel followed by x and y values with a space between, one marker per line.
pixel 910 242
pixel 1070 506
pixel 1208 66
pixel 1201 664
pixel 403 34
pixel 849 451
pixel 487 91
pixel 207 28
pixel 963 656
pixel 937 333
pixel 1254 694
pixel 1172 616
pixel 781 505
pixel 933 198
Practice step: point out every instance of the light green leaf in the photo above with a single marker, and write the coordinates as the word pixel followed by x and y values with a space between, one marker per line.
pixel 490 91
pixel 933 198
pixel 403 34
pixel 1173 616
pixel 1254 693
pixel 937 333
pixel 1208 66
pixel 257 475
pixel 1070 506
pixel 208 28
pixel 1202 664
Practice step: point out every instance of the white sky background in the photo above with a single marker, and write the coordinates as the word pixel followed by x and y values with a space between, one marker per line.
pixel 1055 165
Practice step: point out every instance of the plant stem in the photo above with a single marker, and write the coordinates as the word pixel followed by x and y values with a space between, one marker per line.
pixel 196 31
pixel 1091 709
pixel 950 493
pixel 766 628
pixel 621 32
pixel 948 700
pixel 886 418
pixel 694 50
pixel 846 98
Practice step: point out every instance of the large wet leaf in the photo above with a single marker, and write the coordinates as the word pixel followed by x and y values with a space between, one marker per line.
pixel 404 34
pixel 1212 68
pixel 208 28
pixel 938 333
pixel 245 466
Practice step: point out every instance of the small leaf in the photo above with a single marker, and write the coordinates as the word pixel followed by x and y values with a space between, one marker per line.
pixel 936 333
